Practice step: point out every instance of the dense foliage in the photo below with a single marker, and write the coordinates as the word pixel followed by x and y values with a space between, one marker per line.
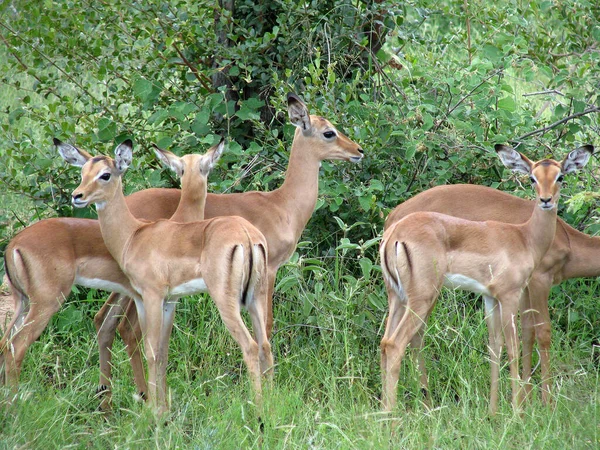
pixel 427 88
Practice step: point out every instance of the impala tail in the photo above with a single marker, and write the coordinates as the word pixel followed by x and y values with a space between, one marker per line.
pixel 396 260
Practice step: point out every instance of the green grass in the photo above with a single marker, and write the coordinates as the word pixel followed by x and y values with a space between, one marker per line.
pixel 326 388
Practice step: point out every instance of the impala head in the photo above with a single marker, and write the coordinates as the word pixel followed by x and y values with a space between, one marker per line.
pixel 546 175
pixel 100 175
pixel 320 135
pixel 192 165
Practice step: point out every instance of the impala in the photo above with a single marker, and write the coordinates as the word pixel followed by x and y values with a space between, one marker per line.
pixel 426 250
pixel 45 259
pixel 165 260
pixel 281 215
pixel 572 255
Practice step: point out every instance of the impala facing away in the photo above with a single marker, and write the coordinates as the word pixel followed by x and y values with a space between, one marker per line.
pixel 281 215
pixel 165 260
pixel 572 255
pixel 426 250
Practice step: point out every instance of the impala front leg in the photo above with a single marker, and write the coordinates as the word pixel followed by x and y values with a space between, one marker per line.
pixel 510 309
pixel 105 321
pixel 494 323
pixel 539 319
pixel 131 333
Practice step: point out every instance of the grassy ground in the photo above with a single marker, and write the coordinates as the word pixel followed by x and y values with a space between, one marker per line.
pixel 326 386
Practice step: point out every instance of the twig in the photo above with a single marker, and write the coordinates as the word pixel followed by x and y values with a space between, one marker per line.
pixel 557 123
pixel 451 110
pixel 193 69
pixel 548 91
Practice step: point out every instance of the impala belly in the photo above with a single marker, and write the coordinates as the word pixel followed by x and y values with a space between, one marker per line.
pixel 189 287
pixel 97 283
pixel 458 281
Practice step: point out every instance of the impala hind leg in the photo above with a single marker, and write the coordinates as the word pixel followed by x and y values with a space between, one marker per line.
pixel 396 309
pixel 256 310
pixel 21 302
pixel 495 344
pixel 271 275
pixel 33 325
pixel 229 309
pixel 394 346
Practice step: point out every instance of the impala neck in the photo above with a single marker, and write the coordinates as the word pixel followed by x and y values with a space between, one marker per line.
pixel 192 201
pixel 300 189
pixel 539 231
pixel 117 224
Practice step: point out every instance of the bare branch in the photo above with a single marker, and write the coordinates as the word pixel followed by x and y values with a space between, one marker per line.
pixel 451 110
pixel 559 122
pixel 548 91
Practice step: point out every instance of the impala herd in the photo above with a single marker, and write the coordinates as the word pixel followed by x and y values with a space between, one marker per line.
pixel 157 245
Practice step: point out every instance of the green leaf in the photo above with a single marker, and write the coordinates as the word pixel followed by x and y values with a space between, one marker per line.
pixel 507 104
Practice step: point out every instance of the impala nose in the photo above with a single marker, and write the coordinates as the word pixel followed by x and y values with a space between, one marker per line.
pixel 546 202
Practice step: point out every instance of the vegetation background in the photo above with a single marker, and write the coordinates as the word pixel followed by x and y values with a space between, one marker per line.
pixel 426 87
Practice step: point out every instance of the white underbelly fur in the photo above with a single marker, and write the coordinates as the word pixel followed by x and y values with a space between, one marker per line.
pixel 97 283
pixel 458 281
pixel 189 288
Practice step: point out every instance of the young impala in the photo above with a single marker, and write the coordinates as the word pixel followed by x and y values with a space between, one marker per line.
pixel 165 260
pixel 426 250
pixel 45 259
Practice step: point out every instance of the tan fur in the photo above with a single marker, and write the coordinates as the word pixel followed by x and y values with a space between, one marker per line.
pixel 499 258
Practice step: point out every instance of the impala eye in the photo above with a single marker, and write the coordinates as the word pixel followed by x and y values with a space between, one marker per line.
pixel 105 176
pixel 329 134
pixel 532 180
pixel 560 178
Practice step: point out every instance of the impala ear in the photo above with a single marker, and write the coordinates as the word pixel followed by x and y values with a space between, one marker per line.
pixel 298 113
pixel 211 157
pixel 576 159
pixel 71 154
pixel 123 155
pixel 513 159
pixel 169 159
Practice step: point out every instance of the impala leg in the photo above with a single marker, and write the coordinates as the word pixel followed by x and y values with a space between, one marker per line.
pixel 528 338
pixel 539 291
pixel 229 309
pixel 494 323
pixel 256 309
pixel 34 324
pixel 394 347
pixel 271 275
pixel 131 333
pixel 396 310
pixel 150 312
pixel 105 321
pixel 417 345
pixel 21 303
pixel 510 308
pixel 169 306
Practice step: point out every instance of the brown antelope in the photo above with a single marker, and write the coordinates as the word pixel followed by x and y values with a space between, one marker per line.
pixel 45 259
pixel 572 255
pixel 165 260
pixel 316 139
pixel 426 250
pixel 280 215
